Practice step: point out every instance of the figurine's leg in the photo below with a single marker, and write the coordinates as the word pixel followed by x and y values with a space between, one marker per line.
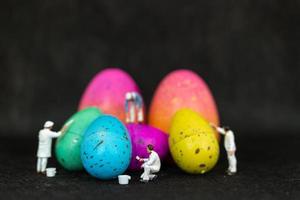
pixel 44 164
pixel 232 162
pixel 38 165
pixel 142 176
pixel 146 172
pixel 151 174
pixel 229 162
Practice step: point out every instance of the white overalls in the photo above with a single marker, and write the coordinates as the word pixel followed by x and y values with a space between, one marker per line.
pixel 151 165
pixel 230 148
pixel 44 148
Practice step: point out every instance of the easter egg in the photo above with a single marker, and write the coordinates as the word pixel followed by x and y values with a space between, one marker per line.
pixel 106 148
pixel 67 146
pixel 141 135
pixel 192 142
pixel 181 89
pixel 107 92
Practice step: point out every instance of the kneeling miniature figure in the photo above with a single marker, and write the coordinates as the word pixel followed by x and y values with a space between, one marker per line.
pixel 151 165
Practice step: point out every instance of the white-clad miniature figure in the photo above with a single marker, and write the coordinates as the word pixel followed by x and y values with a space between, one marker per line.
pixel 230 147
pixel 151 165
pixel 45 143
pixel 134 107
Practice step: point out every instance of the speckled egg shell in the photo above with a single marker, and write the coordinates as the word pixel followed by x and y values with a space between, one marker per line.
pixel 107 91
pixel 181 89
pixel 67 146
pixel 141 135
pixel 192 142
pixel 106 148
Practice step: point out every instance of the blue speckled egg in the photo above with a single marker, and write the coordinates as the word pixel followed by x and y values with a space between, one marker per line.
pixel 106 148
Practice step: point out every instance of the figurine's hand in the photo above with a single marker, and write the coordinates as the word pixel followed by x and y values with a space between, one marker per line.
pixel 212 125
pixel 66 126
pixel 139 159
pixel 63 129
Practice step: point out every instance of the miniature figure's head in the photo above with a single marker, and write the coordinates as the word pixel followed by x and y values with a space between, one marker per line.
pixel 48 124
pixel 226 128
pixel 149 148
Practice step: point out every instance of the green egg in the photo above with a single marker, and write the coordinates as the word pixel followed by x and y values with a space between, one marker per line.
pixel 67 147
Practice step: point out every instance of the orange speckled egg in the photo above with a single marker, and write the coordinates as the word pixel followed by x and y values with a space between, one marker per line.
pixel 181 89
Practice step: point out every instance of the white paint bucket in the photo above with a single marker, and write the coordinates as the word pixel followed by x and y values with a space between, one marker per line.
pixel 50 172
pixel 124 179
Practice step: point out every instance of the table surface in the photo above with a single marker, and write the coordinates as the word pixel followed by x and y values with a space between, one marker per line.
pixel 269 168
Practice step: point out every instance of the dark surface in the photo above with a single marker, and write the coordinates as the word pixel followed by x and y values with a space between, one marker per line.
pixel 247 51
pixel 269 168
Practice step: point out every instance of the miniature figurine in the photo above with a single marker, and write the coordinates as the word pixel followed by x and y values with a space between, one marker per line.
pixel 151 165
pixel 230 147
pixel 134 104
pixel 45 142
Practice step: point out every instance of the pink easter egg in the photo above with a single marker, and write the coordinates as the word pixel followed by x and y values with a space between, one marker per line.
pixel 181 89
pixel 107 92
pixel 141 135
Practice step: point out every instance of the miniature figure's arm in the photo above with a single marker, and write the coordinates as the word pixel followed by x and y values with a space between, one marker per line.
pixel 141 159
pixel 151 159
pixel 218 129
pixel 55 134
pixel 65 127
pixel 221 130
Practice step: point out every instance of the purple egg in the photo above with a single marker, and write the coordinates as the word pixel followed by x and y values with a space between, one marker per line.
pixel 142 135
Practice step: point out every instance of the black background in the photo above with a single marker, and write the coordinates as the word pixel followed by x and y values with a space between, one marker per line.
pixel 247 51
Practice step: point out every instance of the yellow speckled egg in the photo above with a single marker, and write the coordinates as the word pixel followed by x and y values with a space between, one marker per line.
pixel 192 142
